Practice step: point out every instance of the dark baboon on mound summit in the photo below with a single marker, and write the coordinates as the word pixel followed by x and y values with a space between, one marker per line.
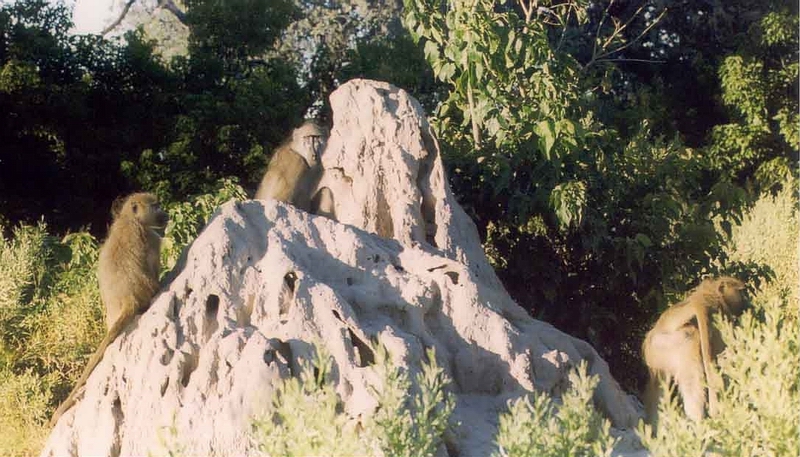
pixel 127 272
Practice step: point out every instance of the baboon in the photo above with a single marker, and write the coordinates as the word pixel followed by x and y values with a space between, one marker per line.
pixel 683 345
pixel 295 168
pixel 127 272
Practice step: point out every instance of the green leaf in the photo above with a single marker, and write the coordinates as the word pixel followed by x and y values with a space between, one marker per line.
pixel 643 240
pixel 545 130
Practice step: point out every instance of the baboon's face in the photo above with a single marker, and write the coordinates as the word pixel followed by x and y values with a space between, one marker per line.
pixel 733 293
pixel 147 211
pixel 309 141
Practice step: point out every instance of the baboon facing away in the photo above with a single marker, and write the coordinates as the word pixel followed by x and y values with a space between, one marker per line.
pixel 295 168
pixel 683 345
pixel 127 272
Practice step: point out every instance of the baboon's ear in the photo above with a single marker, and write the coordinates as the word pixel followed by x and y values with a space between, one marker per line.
pixel 116 206
pixel 135 207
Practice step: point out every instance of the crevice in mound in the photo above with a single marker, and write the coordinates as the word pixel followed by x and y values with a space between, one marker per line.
pixel 212 306
pixel 166 357
pixel 117 414
pixel 211 323
pixel 290 280
pixel 173 307
pixel 384 225
pixel 428 205
pixel 453 276
pixel 190 363
pixel 364 355
pixel 271 356
pixel 433 312
pixel 286 297
pixel 164 385
pixel 450 274
pixel 285 351
pixel 243 317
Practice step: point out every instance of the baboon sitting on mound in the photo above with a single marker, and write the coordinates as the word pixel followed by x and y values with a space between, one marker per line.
pixel 683 345
pixel 127 272
pixel 295 167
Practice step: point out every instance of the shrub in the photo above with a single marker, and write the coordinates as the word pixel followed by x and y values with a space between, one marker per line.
pixel 50 319
pixel 187 218
pixel 23 405
pixel 538 427
pixel 412 426
pixel 306 415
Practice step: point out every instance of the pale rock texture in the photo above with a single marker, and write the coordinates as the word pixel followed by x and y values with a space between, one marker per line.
pixel 403 266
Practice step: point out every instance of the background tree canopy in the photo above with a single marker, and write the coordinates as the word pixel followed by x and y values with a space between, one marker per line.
pixel 604 149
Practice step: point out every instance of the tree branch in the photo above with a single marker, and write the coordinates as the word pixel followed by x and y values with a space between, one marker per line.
pixel 168 5
pixel 119 19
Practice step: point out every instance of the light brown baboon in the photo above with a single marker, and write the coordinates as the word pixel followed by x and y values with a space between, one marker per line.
pixel 684 344
pixel 295 168
pixel 127 272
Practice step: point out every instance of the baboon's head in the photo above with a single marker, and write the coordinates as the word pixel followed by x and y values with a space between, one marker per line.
pixel 732 291
pixel 309 141
pixel 145 209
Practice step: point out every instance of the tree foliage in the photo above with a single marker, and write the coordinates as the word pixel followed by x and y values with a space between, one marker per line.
pixel 593 223
pixel 90 119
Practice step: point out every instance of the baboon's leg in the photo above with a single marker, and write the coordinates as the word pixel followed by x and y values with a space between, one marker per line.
pixel 322 204
pixel 691 385
pixel 714 384
pixel 652 397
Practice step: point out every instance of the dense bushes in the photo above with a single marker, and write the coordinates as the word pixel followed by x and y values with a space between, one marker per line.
pixel 50 319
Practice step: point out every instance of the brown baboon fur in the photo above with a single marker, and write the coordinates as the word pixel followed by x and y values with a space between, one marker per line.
pixel 127 272
pixel 295 168
pixel 683 345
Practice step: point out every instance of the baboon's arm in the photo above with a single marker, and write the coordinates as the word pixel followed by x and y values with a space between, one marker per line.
pixel 675 317
pixel 703 314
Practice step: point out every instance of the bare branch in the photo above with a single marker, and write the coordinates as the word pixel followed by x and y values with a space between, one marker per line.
pixel 601 54
pixel 119 19
pixel 620 28
pixel 476 130
pixel 600 26
pixel 170 6
pixel 639 37
pixel 622 59
pixel 527 10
